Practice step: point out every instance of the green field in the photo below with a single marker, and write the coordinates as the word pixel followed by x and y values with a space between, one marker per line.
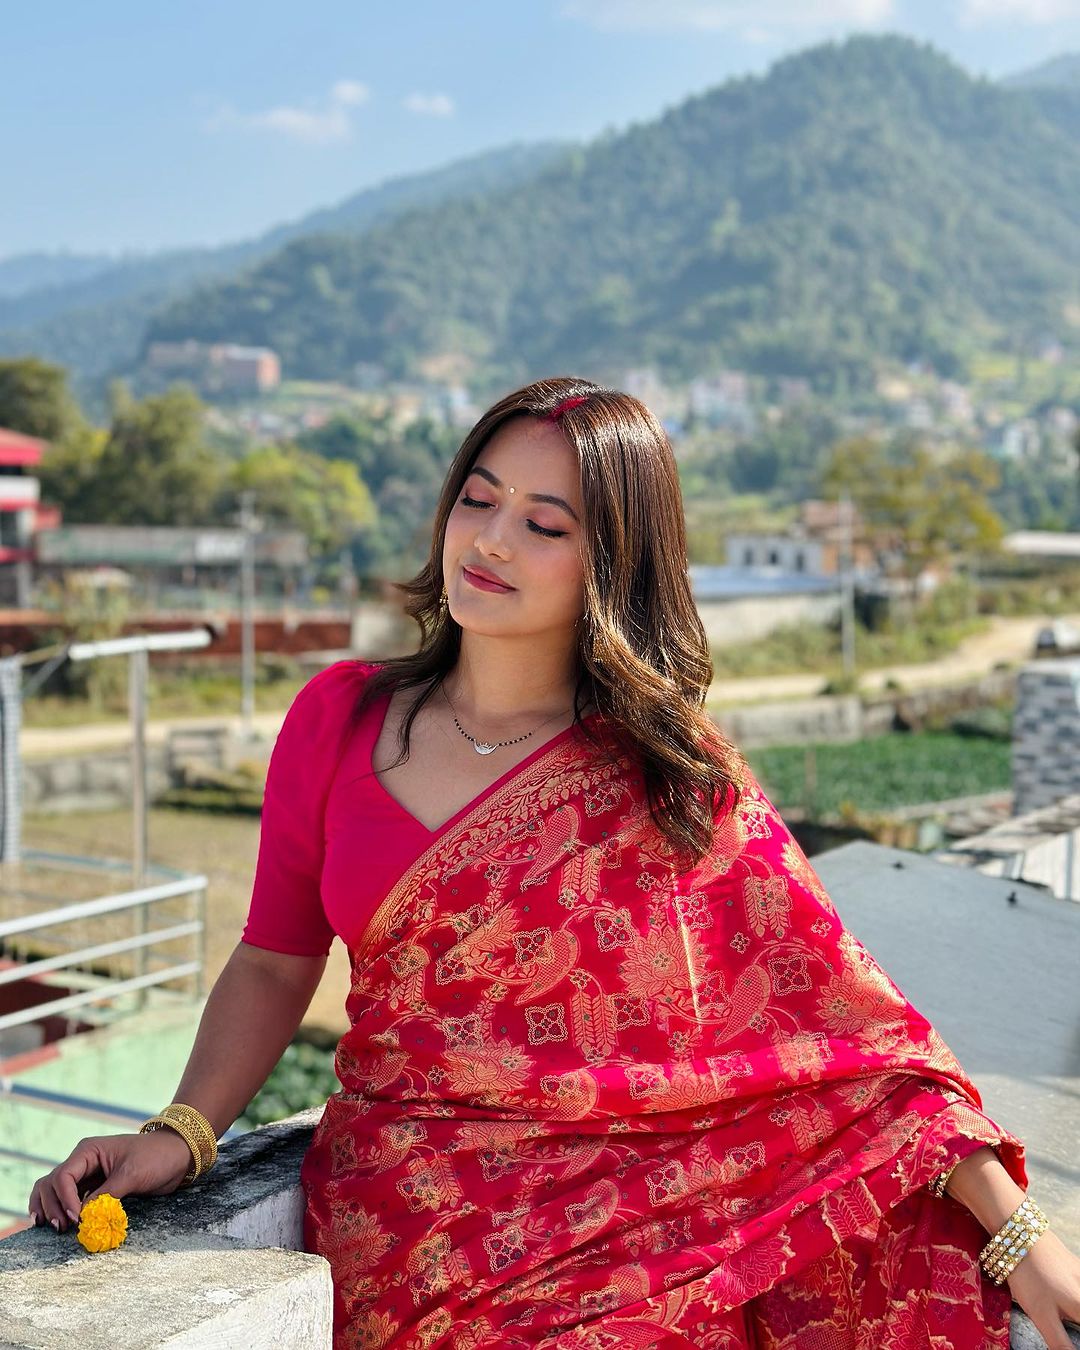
pixel 884 772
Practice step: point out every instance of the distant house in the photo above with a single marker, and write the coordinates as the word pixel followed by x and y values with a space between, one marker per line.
pixel 22 514
pixel 173 563
pixel 809 548
pixel 256 369
pixel 723 400
pixel 217 366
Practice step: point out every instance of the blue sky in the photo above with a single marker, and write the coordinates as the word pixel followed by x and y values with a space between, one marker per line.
pixel 127 126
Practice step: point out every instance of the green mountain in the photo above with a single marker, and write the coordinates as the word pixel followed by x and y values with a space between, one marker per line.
pixel 91 313
pixel 861 201
pixel 24 272
pixel 1060 72
pixel 1054 88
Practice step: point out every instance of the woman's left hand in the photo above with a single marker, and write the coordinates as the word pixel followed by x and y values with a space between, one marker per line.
pixel 1046 1284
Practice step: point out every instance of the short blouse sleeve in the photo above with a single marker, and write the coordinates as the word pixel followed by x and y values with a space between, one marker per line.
pixel 286 912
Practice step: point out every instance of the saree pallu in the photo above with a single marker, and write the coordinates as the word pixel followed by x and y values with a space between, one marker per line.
pixel 591 1100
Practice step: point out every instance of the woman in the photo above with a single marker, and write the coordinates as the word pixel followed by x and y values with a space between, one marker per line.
pixel 616 1075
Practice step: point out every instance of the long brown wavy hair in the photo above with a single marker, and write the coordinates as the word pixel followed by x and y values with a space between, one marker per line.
pixel 643 658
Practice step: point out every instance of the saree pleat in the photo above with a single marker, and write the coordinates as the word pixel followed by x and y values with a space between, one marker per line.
pixel 591 1100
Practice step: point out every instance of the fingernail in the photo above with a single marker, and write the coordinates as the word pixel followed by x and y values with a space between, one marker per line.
pixel 56 1224
pixel 73 1217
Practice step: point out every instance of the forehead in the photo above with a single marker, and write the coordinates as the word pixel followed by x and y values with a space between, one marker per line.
pixel 533 456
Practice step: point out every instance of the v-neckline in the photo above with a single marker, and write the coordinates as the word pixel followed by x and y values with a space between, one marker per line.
pixel 433 834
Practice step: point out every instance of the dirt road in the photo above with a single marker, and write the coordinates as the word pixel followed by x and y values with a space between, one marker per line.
pixel 1010 639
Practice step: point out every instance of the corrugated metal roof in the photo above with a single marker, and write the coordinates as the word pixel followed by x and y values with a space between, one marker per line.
pixel 15 448
pixel 1043 543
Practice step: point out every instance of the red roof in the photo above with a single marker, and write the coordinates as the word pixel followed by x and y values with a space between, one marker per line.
pixel 15 448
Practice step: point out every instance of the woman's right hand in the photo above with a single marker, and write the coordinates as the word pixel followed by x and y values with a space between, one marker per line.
pixel 154 1163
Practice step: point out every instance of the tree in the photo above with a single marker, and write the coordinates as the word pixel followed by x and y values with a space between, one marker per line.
pixel 930 504
pixel 69 472
pixel 155 468
pixel 326 499
pixel 35 400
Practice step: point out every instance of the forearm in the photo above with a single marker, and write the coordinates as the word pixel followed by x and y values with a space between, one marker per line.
pixel 251 1015
pixel 983 1186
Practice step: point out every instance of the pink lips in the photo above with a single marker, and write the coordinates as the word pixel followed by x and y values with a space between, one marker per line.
pixel 483 583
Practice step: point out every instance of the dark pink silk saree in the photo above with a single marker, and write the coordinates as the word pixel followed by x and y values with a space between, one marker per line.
pixel 590 1101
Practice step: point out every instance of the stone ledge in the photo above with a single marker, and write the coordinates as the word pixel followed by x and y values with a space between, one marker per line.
pixel 221 1294
pixel 220 1263
pixel 1025 1337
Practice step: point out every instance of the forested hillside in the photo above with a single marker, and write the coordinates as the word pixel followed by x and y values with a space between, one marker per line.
pixel 860 201
pixel 91 315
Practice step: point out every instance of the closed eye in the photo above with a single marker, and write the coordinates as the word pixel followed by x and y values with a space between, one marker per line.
pixel 538 529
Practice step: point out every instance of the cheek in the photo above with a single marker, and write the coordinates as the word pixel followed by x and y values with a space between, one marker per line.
pixel 565 579
pixel 454 534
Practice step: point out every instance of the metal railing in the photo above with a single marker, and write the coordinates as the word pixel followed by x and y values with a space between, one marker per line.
pixel 81 958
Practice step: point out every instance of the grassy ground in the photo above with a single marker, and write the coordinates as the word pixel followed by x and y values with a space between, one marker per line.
pixel 884 772
pixel 810 648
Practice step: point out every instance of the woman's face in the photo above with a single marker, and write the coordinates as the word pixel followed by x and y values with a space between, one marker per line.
pixel 529 538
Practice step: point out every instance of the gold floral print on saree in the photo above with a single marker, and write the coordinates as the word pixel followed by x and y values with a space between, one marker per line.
pixel 589 1100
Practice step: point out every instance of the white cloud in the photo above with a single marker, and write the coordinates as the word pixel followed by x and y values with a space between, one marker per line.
pixel 350 93
pixel 318 123
pixel 430 105
pixel 726 15
pixel 974 13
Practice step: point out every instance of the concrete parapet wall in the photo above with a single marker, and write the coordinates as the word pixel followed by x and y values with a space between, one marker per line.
pixel 851 717
pixel 218 1264
pixel 742 618
pixel 99 781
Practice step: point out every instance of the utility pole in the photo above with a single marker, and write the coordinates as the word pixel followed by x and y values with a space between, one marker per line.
pixel 847 585
pixel 136 648
pixel 248 524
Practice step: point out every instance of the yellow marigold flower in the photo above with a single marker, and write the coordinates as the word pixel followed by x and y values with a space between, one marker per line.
pixel 102 1224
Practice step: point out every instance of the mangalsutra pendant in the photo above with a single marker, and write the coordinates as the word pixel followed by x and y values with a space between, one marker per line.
pixel 487 747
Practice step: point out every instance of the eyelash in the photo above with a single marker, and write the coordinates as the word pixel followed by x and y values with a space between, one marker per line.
pixel 549 534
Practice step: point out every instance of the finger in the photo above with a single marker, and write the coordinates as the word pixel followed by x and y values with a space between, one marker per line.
pixel 119 1184
pixel 51 1209
pixel 36 1206
pixel 59 1193
pixel 84 1163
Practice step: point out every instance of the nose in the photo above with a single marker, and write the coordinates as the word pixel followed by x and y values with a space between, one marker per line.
pixel 493 534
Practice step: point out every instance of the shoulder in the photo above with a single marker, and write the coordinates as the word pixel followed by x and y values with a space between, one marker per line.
pixel 342 680
pixel 326 701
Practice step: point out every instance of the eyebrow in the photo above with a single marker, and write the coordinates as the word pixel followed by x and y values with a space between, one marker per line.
pixel 530 496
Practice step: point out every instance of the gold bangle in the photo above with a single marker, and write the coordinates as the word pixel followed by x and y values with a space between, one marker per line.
pixel 200 1127
pixel 1013 1240
pixel 195 1130
pixel 939 1183
pixel 156 1123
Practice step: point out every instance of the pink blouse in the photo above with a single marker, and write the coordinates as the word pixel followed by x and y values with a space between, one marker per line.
pixel 333 842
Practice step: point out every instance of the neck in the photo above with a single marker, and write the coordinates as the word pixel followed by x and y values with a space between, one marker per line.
pixel 501 681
